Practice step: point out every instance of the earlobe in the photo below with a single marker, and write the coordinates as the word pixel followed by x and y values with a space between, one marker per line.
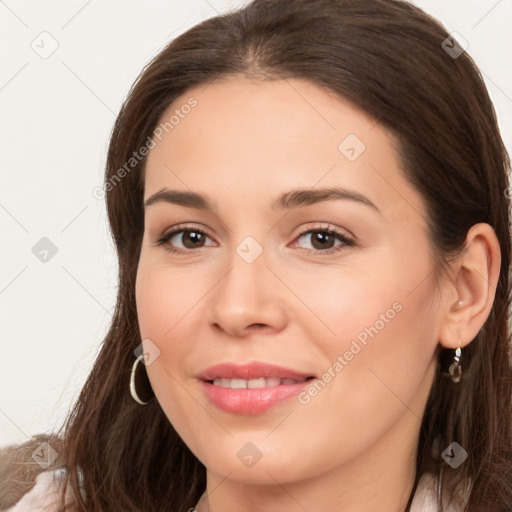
pixel 475 276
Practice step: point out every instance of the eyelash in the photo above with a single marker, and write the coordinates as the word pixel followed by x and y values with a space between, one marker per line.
pixel 346 241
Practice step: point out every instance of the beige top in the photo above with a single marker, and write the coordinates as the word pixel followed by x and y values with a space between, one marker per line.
pixel 43 497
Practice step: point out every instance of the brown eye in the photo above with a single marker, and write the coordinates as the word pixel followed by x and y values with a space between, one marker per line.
pixel 189 239
pixel 323 241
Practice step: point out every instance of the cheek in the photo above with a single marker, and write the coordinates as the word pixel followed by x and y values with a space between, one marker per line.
pixel 152 298
pixel 355 300
pixel 158 309
pixel 165 309
pixel 380 344
pixel 378 376
pixel 164 298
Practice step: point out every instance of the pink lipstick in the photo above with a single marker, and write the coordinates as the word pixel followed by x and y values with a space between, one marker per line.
pixel 251 388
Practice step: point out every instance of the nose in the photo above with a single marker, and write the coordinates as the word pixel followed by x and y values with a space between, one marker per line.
pixel 248 298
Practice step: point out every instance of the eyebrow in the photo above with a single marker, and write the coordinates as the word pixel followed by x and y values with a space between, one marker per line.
pixel 286 200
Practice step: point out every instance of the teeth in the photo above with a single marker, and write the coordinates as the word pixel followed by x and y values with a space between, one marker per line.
pixel 262 382
pixel 256 383
pixel 238 383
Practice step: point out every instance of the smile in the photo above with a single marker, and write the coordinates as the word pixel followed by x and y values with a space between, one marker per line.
pixel 251 400
pixel 262 382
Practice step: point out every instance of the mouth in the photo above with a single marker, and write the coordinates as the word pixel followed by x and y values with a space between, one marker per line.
pixel 257 383
pixel 252 372
pixel 251 388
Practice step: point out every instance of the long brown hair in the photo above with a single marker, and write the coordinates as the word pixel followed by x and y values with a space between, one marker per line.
pixel 386 57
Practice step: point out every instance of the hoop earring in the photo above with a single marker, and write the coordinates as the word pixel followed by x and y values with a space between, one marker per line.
pixel 455 369
pixel 143 381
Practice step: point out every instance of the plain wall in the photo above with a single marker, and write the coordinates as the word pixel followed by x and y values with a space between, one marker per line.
pixel 56 114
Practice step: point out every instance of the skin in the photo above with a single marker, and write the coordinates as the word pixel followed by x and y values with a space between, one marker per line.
pixel 353 446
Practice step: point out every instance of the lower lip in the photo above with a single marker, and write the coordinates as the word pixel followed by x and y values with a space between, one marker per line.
pixel 251 401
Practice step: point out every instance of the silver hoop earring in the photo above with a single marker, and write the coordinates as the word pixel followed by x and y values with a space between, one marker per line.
pixel 142 382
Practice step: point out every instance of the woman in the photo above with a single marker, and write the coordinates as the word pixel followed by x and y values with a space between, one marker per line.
pixel 244 370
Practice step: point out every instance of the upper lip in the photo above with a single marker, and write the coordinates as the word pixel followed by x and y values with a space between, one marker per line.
pixel 254 370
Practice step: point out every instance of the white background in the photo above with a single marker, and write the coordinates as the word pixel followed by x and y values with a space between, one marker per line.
pixel 56 115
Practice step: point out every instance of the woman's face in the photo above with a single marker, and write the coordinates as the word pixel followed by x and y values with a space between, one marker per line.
pixel 258 279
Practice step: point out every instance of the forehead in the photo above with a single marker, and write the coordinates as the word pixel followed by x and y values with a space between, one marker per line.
pixel 242 135
pixel 282 116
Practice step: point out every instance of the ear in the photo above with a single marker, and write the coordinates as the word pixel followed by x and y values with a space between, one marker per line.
pixel 469 296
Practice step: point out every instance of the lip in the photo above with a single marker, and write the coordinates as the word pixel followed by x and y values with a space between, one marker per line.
pixel 250 401
pixel 254 370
